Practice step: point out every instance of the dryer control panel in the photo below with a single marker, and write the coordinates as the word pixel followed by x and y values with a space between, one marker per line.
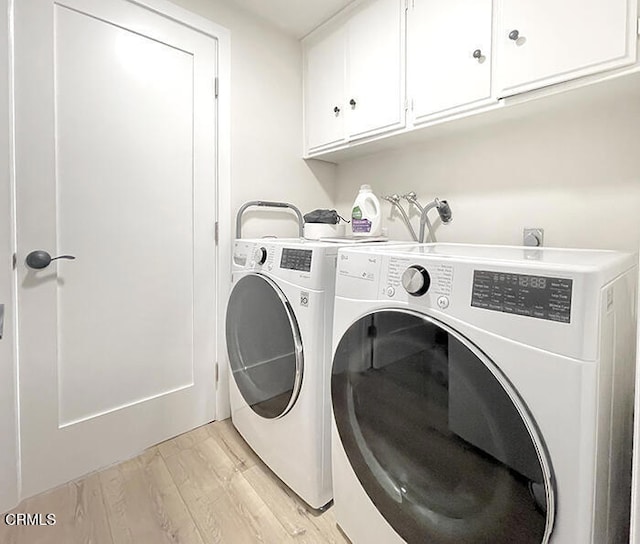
pixel 541 297
pixel 296 259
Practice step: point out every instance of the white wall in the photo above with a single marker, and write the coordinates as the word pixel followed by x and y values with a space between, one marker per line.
pixel 266 121
pixel 572 169
pixel 8 441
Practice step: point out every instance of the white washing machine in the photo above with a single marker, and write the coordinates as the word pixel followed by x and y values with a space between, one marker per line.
pixel 278 331
pixel 483 394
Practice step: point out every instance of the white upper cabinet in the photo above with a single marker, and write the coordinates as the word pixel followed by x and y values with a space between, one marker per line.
pixel 325 89
pixel 375 75
pixel 448 55
pixel 354 75
pixel 542 42
pixel 381 61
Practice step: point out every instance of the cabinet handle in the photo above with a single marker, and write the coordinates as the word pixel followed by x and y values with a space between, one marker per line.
pixel 352 103
pixel 514 35
pixel 477 54
pixel 336 110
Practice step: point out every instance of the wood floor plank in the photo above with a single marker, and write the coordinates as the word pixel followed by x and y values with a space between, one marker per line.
pixel 183 441
pixel 300 521
pixel 193 472
pixel 257 515
pixel 229 439
pixel 143 504
pixel 204 493
pixel 251 509
pixel 79 511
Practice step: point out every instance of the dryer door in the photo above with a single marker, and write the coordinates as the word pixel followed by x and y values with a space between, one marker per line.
pixel 264 346
pixel 441 443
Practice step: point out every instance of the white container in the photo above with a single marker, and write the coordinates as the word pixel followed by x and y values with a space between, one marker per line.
pixel 316 231
pixel 366 215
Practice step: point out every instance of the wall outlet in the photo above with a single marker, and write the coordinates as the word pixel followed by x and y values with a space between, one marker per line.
pixel 533 237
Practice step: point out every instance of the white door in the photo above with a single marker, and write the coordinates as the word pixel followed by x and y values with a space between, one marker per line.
pixel 375 74
pixel 115 165
pixel 324 88
pixel 541 42
pixel 448 55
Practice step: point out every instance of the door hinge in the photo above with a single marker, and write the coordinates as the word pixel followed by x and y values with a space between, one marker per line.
pixel 406 104
pixel 215 87
pixel 638 26
pixel 217 233
pixel 14 261
pixel 217 373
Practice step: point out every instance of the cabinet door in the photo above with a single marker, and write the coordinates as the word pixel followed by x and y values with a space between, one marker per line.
pixel 375 74
pixel 542 42
pixel 324 89
pixel 442 38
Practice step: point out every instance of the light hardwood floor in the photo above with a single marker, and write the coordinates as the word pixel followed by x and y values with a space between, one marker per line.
pixel 202 487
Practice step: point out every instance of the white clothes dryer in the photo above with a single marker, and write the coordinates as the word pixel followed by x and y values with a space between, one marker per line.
pixel 483 394
pixel 278 332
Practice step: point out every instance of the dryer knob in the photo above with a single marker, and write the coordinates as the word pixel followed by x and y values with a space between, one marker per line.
pixel 416 280
pixel 260 255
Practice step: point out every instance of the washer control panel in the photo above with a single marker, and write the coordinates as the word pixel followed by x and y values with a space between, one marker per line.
pixel 541 297
pixel 250 255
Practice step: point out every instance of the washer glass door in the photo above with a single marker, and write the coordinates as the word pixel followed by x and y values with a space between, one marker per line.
pixel 264 346
pixel 439 440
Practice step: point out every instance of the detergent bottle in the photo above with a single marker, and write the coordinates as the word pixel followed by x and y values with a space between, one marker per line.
pixel 366 217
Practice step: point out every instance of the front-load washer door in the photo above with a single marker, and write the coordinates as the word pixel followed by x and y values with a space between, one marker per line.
pixel 441 443
pixel 264 346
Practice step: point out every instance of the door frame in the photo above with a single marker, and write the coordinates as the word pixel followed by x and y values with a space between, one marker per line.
pixel 9 465
pixel 12 497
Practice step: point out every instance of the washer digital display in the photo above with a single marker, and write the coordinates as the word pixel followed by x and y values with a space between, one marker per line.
pixel 541 297
pixel 296 259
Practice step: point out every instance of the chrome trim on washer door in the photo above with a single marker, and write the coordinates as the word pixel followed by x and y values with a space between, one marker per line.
pixel 437 435
pixel 262 336
pixel 297 338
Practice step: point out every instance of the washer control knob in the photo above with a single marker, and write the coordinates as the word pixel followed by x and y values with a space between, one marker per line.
pixel 390 291
pixel 416 280
pixel 443 302
pixel 260 255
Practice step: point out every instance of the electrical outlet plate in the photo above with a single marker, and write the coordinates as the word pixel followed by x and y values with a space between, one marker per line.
pixel 533 237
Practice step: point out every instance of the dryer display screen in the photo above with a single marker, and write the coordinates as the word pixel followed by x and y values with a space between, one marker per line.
pixel 296 259
pixel 534 296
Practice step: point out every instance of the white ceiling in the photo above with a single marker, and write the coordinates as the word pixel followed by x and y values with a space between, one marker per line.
pixel 295 17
